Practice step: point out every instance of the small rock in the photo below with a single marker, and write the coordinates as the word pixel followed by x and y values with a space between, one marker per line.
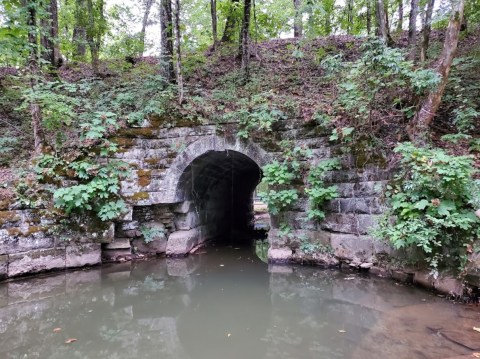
pixel 366 265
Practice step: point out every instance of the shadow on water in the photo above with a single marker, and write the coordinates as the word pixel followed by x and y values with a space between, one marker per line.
pixel 227 303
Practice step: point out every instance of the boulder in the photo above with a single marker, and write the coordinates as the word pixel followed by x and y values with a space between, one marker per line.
pixel 182 242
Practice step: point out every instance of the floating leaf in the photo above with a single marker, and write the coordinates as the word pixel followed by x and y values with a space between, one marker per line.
pixel 342 331
pixel 476 329
pixel 71 340
pixel 56 330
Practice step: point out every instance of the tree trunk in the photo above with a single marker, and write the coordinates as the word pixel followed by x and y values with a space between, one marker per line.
pixel 400 16
pixel 245 39
pixel 381 20
pixel 418 127
pixel 298 20
pixel 166 27
pixel 412 28
pixel 33 69
pixel 349 16
pixel 213 13
pixel 178 61
pixel 427 28
pixel 230 24
pixel 146 14
pixel 49 37
pixel 369 17
pixel 79 31
pixel 95 30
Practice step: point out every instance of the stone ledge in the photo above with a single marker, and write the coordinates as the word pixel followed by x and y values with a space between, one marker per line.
pixel 36 261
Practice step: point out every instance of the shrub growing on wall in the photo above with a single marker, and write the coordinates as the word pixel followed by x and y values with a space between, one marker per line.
pixel 432 202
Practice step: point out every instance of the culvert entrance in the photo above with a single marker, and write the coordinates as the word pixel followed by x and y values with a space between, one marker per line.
pixel 218 187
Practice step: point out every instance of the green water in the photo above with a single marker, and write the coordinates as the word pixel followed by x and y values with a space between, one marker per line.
pixel 227 303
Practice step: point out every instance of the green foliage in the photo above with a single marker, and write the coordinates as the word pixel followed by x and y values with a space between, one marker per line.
pixel 318 193
pixel 255 114
pixel 312 248
pixel 381 81
pixel 432 200
pixel 96 191
pixel 151 233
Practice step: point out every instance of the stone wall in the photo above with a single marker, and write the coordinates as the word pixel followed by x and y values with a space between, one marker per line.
pixel 164 202
pixel 30 243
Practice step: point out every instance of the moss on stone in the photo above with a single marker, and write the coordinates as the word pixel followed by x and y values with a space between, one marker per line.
pixel 8 216
pixel 139 196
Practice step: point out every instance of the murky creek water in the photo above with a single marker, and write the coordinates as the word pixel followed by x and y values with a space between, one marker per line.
pixel 227 303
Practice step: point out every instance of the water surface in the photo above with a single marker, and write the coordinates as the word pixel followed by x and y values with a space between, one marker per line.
pixel 227 303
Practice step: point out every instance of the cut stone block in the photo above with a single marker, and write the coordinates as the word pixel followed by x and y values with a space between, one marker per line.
pixel 156 246
pixel 182 242
pixel 351 247
pixel 83 254
pixel 185 222
pixel 279 255
pixel 119 243
pixel 184 207
pixel 36 261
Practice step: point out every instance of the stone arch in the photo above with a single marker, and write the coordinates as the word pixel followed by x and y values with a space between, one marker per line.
pixel 212 182
pixel 169 185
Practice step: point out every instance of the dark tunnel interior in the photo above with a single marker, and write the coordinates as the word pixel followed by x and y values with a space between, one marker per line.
pixel 221 186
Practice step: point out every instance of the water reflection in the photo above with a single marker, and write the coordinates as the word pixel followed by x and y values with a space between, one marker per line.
pixel 226 303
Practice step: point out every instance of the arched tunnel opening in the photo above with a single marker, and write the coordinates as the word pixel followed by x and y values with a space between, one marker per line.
pixel 221 186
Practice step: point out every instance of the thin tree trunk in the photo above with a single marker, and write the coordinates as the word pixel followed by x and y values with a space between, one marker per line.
pixel 298 20
pixel 95 31
pixel 427 28
pixel 245 39
pixel 213 13
pixel 412 28
pixel 369 17
pixel 381 20
pixel 166 27
pixel 146 14
pixel 49 37
pixel 178 62
pixel 418 127
pixel 79 37
pixel 35 112
pixel 230 24
pixel 400 16
pixel 349 16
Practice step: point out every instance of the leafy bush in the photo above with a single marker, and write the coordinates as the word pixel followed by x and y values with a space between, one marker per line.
pixel 317 192
pixel 151 233
pixel 97 192
pixel 432 200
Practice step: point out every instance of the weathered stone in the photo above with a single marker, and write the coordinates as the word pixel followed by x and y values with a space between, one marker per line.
pixel 379 271
pixel 425 279
pixel 350 223
pixel 9 219
pixel 36 288
pixel 279 255
pixel 353 248
pixel 449 285
pixel 185 222
pixel 36 261
pixel 3 267
pixel 402 276
pixel 182 242
pixel 119 243
pixel 83 254
pixel 156 246
pixel 184 207
pixel 15 240
pixel 366 265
